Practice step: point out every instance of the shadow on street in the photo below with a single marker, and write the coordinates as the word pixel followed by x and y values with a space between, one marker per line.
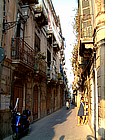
pixel 44 129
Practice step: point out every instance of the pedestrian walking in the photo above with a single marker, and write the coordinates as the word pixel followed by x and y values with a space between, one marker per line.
pixel 81 114
pixel 67 104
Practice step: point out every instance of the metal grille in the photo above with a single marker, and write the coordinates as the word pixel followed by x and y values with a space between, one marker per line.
pixel 22 52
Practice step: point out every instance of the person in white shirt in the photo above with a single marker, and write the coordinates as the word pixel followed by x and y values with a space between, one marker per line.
pixel 67 105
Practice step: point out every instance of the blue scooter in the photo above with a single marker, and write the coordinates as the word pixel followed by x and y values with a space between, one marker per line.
pixel 20 122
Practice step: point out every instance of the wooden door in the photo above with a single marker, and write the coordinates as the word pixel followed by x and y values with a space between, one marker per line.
pixel 18 93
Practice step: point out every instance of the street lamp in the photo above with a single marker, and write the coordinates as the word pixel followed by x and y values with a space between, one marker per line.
pixel 24 15
pixel 25 12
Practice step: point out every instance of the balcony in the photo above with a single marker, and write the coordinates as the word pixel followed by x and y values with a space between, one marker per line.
pixel 56 47
pixel 60 79
pixel 52 34
pixel 82 66
pixel 62 52
pixel 52 77
pixel 21 53
pixel 40 67
pixel 60 76
pixel 86 28
pixel 41 16
pixel 29 1
pixel 49 32
pixel 55 43
pixel 86 36
pixel 85 49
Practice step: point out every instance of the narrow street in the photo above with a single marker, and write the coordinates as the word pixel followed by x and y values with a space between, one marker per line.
pixel 61 125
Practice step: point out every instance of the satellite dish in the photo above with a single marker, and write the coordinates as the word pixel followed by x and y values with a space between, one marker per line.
pixel 2 54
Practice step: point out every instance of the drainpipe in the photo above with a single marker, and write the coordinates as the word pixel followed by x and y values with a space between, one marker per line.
pixel 95 87
pixel 1 34
pixel 96 105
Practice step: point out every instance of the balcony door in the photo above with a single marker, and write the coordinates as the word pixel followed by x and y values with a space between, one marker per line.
pixel 19 45
pixel 20 30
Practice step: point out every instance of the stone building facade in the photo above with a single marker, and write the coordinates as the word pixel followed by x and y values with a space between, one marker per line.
pixel 89 62
pixel 33 68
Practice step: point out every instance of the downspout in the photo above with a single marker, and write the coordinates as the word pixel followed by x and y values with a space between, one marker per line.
pixel 2 20
pixel 2 5
pixel 2 50
pixel 95 88
pixel 96 104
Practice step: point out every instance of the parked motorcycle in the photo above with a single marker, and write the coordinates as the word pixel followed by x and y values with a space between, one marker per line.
pixel 20 122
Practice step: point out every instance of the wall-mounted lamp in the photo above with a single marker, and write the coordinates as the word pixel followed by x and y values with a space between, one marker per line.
pixel 25 12
pixel 22 19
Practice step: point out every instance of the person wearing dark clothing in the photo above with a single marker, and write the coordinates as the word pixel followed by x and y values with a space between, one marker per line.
pixel 81 111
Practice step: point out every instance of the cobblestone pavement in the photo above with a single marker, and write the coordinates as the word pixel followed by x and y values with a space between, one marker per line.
pixel 61 125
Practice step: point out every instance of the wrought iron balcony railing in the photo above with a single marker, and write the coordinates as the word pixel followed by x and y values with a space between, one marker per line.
pixel 41 14
pixel 52 74
pixel 87 32
pixel 21 52
pixel 40 66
